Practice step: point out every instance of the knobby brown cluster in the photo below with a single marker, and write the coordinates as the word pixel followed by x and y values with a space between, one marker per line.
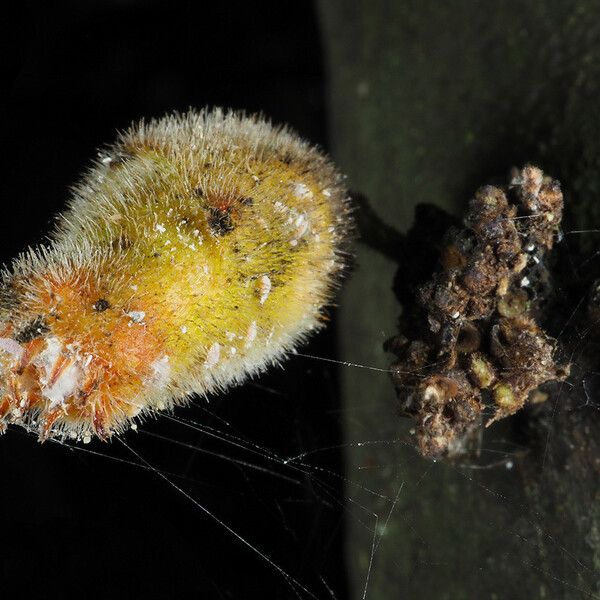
pixel 471 350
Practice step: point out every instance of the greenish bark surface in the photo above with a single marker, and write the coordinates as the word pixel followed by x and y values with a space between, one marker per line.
pixel 428 100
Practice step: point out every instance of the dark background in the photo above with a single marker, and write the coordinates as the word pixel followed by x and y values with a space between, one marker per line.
pixel 79 524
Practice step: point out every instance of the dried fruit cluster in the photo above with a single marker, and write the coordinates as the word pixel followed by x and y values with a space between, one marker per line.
pixel 472 338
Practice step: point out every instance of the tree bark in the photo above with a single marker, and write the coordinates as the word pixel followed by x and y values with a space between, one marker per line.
pixel 427 101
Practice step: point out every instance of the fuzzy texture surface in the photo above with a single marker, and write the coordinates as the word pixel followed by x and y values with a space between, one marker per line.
pixel 198 250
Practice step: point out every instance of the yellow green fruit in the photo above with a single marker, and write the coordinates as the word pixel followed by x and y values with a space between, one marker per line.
pixel 198 250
